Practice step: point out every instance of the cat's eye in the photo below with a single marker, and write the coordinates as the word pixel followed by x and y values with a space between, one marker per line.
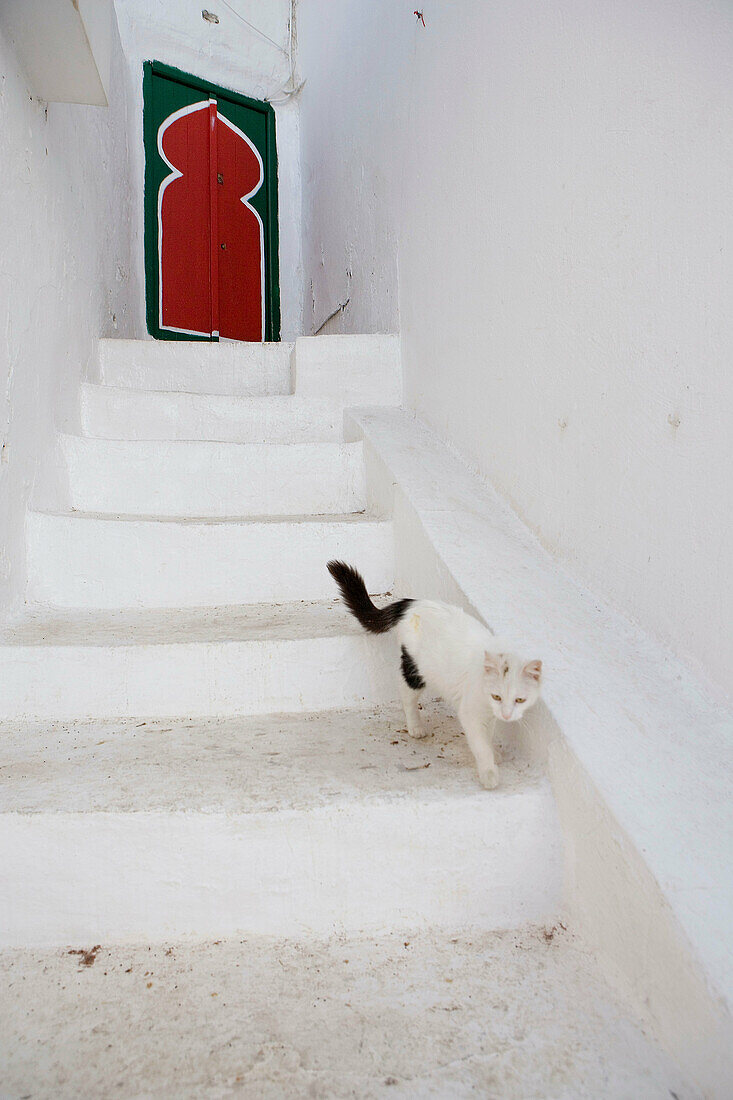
pixel 520 700
pixel 497 697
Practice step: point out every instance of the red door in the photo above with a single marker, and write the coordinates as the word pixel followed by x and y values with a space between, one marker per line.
pixel 211 240
pixel 211 236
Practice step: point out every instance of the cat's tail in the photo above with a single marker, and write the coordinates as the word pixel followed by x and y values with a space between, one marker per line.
pixel 354 594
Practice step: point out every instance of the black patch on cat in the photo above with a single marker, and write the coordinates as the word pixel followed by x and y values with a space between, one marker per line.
pixel 411 673
pixel 354 594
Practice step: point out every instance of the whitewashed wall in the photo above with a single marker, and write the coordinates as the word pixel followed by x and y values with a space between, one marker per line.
pixel 65 279
pixel 544 185
pixel 234 56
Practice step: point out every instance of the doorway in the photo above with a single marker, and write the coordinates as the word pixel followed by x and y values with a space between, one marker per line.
pixel 211 245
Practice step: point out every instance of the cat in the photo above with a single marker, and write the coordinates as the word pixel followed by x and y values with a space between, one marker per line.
pixel 447 649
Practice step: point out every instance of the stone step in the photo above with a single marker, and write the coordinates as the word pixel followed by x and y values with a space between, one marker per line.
pixel 110 412
pixel 287 825
pixel 87 561
pixel 192 662
pixel 197 367
pixel 177 478
pixel 356 369
pixel 428 1013
pixel 353 369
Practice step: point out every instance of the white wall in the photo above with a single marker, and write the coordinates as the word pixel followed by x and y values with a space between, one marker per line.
pixel 64 279
pixel 234 56
pixel 65 50
pixel 544 186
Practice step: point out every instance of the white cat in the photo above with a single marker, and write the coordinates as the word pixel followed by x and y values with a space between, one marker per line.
pixel 455 655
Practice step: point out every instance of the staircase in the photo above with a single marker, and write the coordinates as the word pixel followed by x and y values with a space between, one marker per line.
pixel 185 581
pixel 198 742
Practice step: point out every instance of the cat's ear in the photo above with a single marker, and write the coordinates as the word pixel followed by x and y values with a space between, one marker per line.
pixel 492 663
pixel 533 670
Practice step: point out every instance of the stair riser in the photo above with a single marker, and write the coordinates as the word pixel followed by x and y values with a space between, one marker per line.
pixel 195 367
pixel 213 679
pixel 108 413
pixel 488 861
pixel 85 563
pixel 213 479
pixel 359 370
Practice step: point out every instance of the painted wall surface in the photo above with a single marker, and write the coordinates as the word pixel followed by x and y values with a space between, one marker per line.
pixel 233 55
pixel 544 187
pixel 65 50
pixel 64 279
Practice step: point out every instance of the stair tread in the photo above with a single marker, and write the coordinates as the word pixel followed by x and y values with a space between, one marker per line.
pixel 285 402
pixel 425 1013
pixel 285 762
pixel 215 521
pixel 174 626
pixel 230 447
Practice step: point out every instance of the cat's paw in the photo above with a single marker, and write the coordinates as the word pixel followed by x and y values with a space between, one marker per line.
pixel 489 778
pixel 418 732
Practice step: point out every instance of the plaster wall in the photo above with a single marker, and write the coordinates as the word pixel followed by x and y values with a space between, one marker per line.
pixel 233 55
pixel 64 49
pixel 65 279
pixel 538 195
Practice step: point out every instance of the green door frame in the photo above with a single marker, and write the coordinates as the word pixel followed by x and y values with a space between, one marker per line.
pixel 150 142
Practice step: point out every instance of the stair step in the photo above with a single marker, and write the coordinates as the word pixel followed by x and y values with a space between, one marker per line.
pixel 205 479
pixel 197 367
pixel 192 662
pixel 109 412
pixel 511 1015
pixel 85 561
pixel 289 823
pixel 358 369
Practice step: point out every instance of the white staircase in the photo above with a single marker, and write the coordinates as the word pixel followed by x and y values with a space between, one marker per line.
pixel 198 741
pixel 176 603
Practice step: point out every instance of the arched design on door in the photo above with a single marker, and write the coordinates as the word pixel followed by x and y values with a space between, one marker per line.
pixel 211 211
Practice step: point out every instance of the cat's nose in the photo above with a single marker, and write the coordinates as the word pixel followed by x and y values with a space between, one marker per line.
pixel 506 713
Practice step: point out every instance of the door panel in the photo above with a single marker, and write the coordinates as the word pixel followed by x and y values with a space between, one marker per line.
pixel 211 258
pixel 241 234
pixel 184 231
